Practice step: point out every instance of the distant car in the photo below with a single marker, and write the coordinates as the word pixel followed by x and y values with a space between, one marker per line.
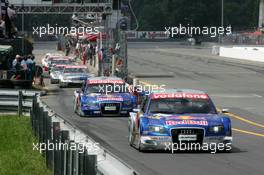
pixel 104 96
pixel 178 116
pixel 48 58
pixel 55 72
pixel 73 75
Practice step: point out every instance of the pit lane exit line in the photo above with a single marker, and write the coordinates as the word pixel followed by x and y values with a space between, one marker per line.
pixel 248 132
pixel 245 120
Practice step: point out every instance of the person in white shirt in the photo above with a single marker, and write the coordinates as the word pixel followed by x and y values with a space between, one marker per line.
pixel 15 61
pixel 24 63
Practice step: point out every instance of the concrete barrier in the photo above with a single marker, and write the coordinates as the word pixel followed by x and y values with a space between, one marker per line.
pixel 244 53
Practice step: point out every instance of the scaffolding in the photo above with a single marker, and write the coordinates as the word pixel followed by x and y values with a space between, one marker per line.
pixel 62 8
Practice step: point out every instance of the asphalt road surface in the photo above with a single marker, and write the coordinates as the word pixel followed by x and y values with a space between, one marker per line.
pixel 232 84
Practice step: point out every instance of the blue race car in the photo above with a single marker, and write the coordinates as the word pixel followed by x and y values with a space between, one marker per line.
pixel 169 119
pixel 104 96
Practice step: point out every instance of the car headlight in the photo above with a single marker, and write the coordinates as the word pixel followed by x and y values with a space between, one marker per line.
pixel 65 78
pixel 127 102
pixel 216 129
pixel 158 129
pixel 91 104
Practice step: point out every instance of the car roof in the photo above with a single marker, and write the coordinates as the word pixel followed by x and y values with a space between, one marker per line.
pixel 173 91
pixel 75 66
pixel 58 59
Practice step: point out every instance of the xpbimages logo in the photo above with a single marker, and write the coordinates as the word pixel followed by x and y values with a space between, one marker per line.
pixel 189 146
pixel 192 30
pixel 59 146
pixel 56 30
pixel 118 88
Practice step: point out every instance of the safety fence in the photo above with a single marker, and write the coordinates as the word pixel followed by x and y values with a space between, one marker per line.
pixel 67 150
pixel 256 38
pixel 57 146
pixel 20 102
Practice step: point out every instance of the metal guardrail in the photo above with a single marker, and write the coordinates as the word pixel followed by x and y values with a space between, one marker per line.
pixel 63 151
pixel 44 120
pixel 15 101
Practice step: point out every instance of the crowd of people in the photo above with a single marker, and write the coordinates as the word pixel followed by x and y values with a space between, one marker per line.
pixel 82 49
pixel 23 67
pixel 8 16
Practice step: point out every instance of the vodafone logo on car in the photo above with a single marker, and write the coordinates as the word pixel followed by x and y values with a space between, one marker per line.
pixel 180 95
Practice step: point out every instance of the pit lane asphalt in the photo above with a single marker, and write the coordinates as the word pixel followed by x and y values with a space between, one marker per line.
pixel 232 84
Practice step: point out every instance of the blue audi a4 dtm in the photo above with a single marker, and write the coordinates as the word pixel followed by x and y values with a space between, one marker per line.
pixel 104 96
pixel 170 118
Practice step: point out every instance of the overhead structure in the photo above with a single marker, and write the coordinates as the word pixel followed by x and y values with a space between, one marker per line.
pixel 62 8
pixel 261 14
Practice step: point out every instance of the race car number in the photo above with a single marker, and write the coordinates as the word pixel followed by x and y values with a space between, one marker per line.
pixel 187 137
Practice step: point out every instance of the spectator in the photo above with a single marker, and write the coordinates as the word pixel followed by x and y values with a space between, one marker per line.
pixel 1 65
pixel 15 61
pixel 24 63
pixel 30 64
pixel 8 24
pixel 11 17
pixel 2 28
pixel 67 47
pixel 24 72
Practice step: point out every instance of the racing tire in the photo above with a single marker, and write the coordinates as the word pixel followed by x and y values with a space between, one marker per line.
pixel 130 136
pixel 138 146
pixel 51 81
pixel 226 150
pixel 60 85
pixel 74 106
pixel 80 112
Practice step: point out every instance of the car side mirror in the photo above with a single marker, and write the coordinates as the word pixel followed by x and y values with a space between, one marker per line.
pixel 225 110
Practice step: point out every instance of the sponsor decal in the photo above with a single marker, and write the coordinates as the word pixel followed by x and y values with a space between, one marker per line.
pixel 110 99
pixel 180 95
pixel 187 122
pixel 106 82
pixel 155 117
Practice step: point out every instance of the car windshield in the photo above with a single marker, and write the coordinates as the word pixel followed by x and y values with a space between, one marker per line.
pixel 106 88
pixel 60 62
pixel 57 69
pixel 182 106
pixel 74 70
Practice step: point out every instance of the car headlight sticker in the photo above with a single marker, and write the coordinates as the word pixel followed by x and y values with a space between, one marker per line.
pixel 217 128
pixel 158 129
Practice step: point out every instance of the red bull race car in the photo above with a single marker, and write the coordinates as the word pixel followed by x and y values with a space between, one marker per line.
pixel 179 119
pixel 104 96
